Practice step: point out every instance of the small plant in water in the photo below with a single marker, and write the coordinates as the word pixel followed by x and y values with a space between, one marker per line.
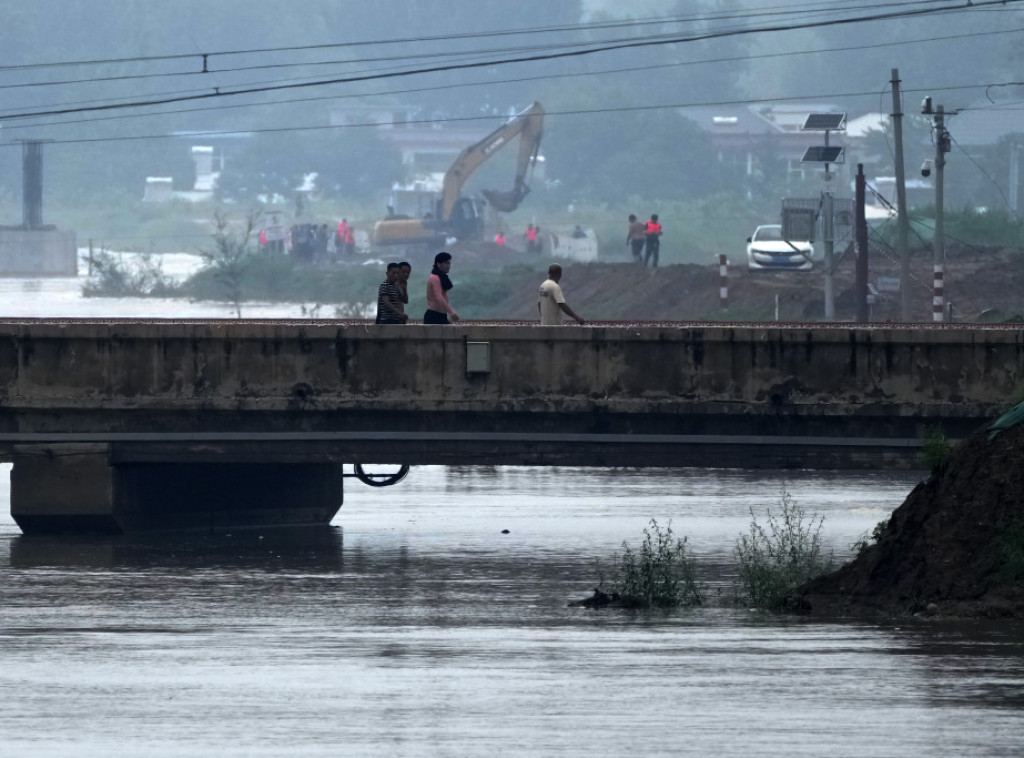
pixel 660 573
pixel 775 558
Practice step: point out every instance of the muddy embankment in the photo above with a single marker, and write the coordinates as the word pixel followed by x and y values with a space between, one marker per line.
pixel 955 547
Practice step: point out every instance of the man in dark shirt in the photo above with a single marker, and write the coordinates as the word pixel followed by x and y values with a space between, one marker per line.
pixel 389 299
pixel 404 272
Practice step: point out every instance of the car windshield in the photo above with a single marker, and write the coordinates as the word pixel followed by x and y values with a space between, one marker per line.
pixel 769 234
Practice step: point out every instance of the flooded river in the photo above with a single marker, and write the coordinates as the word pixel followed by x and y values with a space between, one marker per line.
pixel 414 626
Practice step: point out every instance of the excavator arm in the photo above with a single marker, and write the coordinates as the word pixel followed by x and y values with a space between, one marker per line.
pixel 528 125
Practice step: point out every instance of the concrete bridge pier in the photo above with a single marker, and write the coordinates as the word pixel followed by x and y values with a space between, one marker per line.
pixel 77 488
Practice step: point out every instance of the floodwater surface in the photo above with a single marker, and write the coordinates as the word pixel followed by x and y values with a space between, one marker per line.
pixel 413 626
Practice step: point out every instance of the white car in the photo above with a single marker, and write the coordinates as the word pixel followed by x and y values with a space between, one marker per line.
pixel 767 250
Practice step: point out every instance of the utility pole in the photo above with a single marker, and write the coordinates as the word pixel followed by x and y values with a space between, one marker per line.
pixel 902 225
pixel 861 241
pixel 943 145
pixel 1014 183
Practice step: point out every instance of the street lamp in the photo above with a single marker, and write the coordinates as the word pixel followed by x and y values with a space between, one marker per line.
pixel 826 122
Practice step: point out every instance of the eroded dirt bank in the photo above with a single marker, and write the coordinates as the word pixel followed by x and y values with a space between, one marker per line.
pixel 955 547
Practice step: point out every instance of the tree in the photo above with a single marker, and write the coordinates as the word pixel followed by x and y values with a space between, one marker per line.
pixel 349 162
pixel 232 254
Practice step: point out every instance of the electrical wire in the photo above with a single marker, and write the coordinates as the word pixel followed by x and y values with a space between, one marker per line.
pixel 491 117
pixel 603 72
pixel 634 23
pixel 529 59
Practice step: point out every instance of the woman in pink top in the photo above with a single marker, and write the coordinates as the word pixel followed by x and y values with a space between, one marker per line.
pixel 438 284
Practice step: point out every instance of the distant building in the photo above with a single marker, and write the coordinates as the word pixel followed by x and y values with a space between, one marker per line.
pixel 159 189
pixel 744 136
pixel 208 168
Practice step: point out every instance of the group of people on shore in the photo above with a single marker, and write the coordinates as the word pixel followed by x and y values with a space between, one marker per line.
pixel 310 242
pixel 644 239
pixel 393 295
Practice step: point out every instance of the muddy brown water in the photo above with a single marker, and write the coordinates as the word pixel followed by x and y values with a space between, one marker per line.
pixel 413 626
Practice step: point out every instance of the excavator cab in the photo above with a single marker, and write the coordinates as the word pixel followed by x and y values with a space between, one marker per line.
pixel 467 220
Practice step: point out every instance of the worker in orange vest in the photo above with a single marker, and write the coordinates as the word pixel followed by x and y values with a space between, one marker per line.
pixel 531 239
pixel 499 239
pixel 652 240
pixel 343 239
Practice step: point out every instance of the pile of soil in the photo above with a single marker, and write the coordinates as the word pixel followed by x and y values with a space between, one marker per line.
pixel 955 547
pixel 982 284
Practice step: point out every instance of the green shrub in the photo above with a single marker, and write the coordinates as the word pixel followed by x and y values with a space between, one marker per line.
pixel 867 540
pixel 935 448
pixel 661 573
pixel 775 559
pixel 114 276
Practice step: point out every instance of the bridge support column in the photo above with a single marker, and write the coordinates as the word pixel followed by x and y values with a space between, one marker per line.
pixel 76 488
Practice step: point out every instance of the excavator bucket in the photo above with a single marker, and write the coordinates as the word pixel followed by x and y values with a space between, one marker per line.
pixel 505 202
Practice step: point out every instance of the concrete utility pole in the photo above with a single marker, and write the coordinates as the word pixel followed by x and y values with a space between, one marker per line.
pixel 861 242
pixel 1014 182
pixel 32 184
pixel 827 217
pixel 942 146
pixel 902 225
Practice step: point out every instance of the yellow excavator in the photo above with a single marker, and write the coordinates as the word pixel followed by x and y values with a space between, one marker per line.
pixel 462 217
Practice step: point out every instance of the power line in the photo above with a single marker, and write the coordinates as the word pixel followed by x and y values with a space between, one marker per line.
pixel 528 59
pixel 444 55
pixel 603 72
pixel 460 119
pixel 633 23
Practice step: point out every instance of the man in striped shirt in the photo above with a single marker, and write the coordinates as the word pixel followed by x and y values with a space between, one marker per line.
pixel 389 299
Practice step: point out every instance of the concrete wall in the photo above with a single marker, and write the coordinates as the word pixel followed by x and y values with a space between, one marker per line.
pixel 675 379
pixel 38 252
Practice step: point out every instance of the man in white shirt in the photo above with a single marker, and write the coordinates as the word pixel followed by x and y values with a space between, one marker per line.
pixel 551 302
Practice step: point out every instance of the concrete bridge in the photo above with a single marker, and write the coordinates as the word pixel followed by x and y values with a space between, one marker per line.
pixel 126 425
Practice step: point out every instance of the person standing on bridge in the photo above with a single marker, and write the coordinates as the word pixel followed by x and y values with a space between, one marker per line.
pixel 404 271
pixel 389 299
pixel 551 302
pixel 438 284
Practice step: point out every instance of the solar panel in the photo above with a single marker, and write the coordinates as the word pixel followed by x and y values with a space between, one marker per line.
pixel 824 122
pixel 823 154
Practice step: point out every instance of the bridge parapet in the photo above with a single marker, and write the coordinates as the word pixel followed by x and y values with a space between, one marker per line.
pixel 231 367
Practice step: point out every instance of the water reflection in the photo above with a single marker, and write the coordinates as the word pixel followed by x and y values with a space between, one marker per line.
pixel 308 548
